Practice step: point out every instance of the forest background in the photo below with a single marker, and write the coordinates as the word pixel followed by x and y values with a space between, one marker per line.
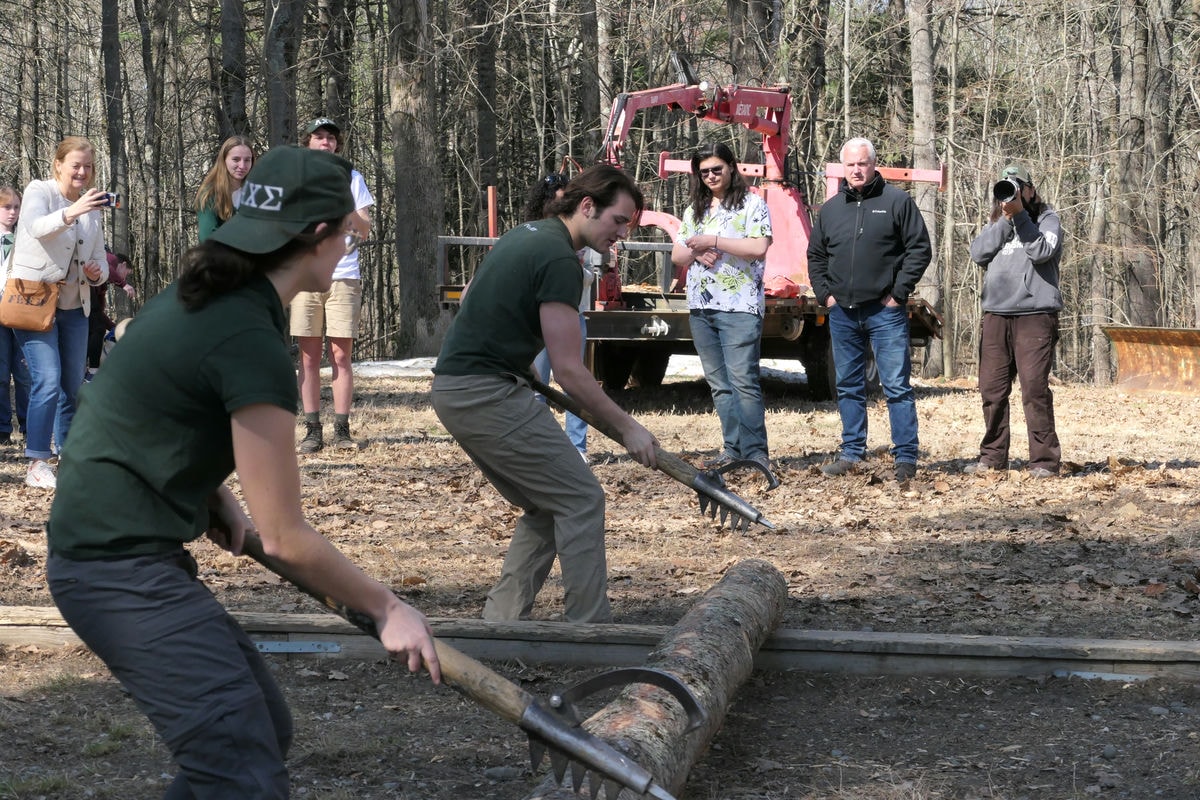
pixel 441 99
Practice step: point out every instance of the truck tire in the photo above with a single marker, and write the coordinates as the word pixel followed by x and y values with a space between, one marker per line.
pixel 650 367
pixel 612 364
pixel 816 354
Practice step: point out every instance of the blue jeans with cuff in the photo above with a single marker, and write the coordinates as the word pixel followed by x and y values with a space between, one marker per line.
pixel 57 361
pixel 729 344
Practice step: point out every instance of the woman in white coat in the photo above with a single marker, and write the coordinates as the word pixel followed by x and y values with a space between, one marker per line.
pixel 59 240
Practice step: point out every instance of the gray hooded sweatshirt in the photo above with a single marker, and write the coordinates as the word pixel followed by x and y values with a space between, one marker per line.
pixel 1021 259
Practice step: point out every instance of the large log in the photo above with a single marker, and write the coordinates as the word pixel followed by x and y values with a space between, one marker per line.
pixel 711 650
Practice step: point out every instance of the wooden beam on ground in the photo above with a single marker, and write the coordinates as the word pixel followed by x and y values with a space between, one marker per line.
pixel 847 652
pixel 711 652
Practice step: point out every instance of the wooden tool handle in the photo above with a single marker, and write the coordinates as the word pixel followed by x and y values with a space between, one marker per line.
pixel 481 684
pixel 669 463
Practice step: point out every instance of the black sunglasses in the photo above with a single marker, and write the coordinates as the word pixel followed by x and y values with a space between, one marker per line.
pixel 714 171
pixel 555 180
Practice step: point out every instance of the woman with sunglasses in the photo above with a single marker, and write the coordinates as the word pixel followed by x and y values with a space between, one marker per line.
pixel 202 384
pixel 723 243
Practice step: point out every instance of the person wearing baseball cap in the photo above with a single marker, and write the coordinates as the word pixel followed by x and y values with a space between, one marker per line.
pixel 1019 249
pixel 202 385
pixel 332 314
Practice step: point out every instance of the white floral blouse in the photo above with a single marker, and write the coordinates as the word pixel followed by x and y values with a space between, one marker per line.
pixel 733 284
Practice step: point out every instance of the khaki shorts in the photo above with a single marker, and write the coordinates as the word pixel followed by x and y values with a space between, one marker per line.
pixel 334 313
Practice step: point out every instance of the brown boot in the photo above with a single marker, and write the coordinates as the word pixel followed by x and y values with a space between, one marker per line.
pixel 313 439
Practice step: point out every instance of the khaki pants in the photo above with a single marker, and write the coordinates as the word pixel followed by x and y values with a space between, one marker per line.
pixel 521 449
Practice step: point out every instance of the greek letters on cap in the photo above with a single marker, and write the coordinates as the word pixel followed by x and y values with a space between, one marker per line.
pixel 262 197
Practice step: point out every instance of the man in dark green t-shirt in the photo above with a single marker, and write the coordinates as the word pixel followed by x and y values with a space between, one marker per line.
pixel 524 297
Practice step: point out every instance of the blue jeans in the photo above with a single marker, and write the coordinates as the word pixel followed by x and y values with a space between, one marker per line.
pixel 57 360
pixel 729 343
pixel 12 363
pixel 576 428
pixel 885 330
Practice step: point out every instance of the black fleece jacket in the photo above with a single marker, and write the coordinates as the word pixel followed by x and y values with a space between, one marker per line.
pixel 868 245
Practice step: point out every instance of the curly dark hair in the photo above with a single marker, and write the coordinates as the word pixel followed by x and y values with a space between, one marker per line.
pixel 541 195
pixel 602 183
pixel 211 269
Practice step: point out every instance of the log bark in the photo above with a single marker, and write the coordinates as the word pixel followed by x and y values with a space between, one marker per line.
pixel 711 650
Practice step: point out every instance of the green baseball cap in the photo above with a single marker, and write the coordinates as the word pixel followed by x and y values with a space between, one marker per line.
pixel 1018 172
pixel 288 189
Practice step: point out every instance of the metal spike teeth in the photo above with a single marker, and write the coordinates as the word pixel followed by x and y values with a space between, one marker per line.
pixel 612 790
pixel 558 765
pixel 595 784
pixel 537 751
pixel 711 508
pixel 577 775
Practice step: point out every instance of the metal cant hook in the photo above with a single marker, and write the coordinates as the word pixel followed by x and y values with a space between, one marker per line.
pixel 566 702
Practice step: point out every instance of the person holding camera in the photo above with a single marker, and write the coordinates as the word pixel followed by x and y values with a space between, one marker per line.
pixel 1020 249
pixel 60 239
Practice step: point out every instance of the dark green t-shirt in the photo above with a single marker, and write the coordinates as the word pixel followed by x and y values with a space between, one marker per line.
pixel 151 440
pixel 497 328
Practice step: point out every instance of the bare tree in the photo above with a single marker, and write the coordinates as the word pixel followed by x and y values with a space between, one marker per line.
pixel 110 49
pixel 418 183
pixel 231 80
pixel 284 24
pixel 925 155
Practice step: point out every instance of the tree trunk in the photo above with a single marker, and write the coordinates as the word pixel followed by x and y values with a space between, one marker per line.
pixel 232 82
pixel 589 80
pixel 711 651
pixel 283 24
pixel 924 137
pixel 485 111
pixel 1143 284
pixel 418 174
pixel 118 179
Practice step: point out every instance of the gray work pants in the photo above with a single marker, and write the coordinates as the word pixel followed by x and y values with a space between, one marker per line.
pixel 523 452
pixel 189 667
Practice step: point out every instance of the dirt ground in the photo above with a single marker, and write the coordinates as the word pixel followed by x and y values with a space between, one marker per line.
pixel 1109 550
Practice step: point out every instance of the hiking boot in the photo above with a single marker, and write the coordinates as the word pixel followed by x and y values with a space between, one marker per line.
pixel 840 467
pixel 313 440
pixel 341 437
pixel 905 472
pixel 979 468
pixel 40 475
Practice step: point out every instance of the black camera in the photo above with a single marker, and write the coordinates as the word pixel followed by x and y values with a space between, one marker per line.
pixel 1006 190
pixel 111 200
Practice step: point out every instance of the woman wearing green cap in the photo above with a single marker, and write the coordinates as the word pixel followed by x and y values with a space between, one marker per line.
pixel 203 384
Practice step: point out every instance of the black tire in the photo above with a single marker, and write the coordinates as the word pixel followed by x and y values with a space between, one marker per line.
pixel 816 354
pixel 650 367
pixel 612 364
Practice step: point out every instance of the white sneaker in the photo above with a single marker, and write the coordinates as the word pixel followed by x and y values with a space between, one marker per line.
pixel 40 475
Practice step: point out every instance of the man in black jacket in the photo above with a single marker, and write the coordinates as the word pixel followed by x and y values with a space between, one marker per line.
pixel 869 247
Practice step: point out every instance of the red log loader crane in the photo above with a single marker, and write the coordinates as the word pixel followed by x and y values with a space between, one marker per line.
pixel 633 330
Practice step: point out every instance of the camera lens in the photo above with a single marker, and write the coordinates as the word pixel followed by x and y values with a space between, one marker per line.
pixel 1005 191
